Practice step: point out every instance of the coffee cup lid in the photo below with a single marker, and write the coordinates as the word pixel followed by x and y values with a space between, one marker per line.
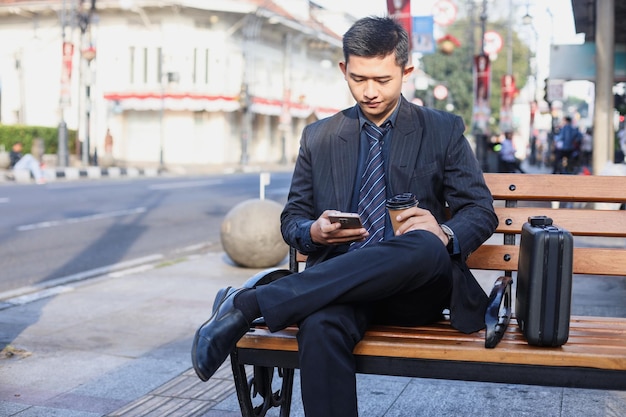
pixel 401 200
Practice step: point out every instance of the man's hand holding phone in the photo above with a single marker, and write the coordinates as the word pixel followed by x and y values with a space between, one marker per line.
pixel 335 228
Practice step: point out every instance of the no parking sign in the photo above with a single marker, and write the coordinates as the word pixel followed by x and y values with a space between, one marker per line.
pixel 444 12
pixel 492 42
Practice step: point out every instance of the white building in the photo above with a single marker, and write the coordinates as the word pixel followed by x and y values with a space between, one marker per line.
pixel 169 77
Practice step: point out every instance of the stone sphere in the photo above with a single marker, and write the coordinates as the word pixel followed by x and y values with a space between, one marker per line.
pixel 251 234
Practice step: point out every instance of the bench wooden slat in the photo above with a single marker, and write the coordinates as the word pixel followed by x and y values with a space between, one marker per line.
pixel 579 222
pixel 547 187
pixel 594 342
pixel 587 261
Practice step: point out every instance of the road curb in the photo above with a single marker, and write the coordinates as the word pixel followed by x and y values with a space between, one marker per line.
pixel 75 173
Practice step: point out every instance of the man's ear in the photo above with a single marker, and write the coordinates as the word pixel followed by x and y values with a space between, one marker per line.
pixel 407 71
pixel 343 67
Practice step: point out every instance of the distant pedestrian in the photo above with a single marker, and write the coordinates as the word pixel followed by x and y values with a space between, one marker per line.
pixel 586 147
pixel 507 161
pixel 567 147
pixel 26 162
pixel 621 136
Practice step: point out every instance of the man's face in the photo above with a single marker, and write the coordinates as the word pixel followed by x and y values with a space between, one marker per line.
pixel 375 84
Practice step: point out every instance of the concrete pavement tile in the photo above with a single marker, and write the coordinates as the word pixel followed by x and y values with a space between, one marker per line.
pixel 424 397
pixel 85 403
pixel 377 394
pixel 593 403
pixel 133 380
pixel 47 374
pixel 8 408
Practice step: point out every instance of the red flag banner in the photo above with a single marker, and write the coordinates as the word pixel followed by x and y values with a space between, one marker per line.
pixel 66 73
pixel 482 92
pixel 401 11
pixel 509 91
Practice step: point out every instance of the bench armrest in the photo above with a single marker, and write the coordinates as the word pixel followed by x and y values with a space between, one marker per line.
pixel 498 314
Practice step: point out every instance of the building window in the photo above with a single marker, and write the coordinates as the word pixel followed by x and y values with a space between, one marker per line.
pixel 194 76
pixel 132 64
pixel 159 71
pixel 206 66
pixel 200 66
pixel 145 65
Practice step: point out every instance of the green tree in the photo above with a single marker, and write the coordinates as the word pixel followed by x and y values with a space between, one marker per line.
pixel 455 70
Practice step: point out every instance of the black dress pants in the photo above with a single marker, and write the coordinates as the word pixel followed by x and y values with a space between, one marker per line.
pixel 405 281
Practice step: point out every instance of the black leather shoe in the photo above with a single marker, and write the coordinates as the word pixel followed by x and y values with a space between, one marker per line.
pixel 217 337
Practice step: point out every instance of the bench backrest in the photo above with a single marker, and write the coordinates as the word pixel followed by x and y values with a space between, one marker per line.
pixel 589 207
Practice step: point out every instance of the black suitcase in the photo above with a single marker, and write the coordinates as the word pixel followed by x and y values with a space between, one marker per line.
pixel 544 282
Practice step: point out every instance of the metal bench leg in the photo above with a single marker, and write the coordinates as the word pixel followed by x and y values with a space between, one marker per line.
pixel 498 314
pixel 261 384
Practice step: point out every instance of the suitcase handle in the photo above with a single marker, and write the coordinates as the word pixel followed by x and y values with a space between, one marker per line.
pixel 538 221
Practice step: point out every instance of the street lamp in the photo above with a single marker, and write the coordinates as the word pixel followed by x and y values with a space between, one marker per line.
pixel 527 20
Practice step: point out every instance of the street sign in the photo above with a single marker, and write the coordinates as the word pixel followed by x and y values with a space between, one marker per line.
pixel 493 42
pixel 444 12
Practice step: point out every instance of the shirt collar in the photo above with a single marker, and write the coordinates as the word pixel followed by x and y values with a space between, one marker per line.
pixel 391 119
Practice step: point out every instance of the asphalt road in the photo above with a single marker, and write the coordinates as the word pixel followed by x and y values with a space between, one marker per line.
pixel 65 229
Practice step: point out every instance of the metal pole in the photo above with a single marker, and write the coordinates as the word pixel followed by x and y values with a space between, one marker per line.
pixel 87 149
pixel 483 26
pixel 62 154
pixel 481 145
pixel 285 118
pixel 89 53
pixel 509 41
pixel 162 112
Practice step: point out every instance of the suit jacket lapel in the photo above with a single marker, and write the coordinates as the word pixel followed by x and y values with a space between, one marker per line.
pixel 405 145
pixel 344 151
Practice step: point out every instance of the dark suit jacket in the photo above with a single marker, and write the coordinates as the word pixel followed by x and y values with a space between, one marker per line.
pixel 430 157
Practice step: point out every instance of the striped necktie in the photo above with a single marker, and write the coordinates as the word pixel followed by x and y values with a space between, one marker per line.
pixel 372 193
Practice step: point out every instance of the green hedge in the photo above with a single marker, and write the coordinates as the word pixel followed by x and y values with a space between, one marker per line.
pixel 9 134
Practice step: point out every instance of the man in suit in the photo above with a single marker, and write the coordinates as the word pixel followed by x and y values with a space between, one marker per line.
pixel 404 278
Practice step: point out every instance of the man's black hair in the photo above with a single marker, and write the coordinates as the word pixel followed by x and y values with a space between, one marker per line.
pixel 377 37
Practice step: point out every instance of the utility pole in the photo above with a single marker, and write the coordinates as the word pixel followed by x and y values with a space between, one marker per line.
pixel 482 133
pixel 88 52
pixel 250 31
pixel 67 51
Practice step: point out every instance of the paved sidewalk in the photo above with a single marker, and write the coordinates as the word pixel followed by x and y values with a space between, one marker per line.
pixel 119 345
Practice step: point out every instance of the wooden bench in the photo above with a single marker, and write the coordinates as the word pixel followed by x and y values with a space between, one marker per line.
pixel 593 357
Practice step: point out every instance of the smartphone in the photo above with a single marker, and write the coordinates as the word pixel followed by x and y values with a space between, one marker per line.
pixel 347 220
